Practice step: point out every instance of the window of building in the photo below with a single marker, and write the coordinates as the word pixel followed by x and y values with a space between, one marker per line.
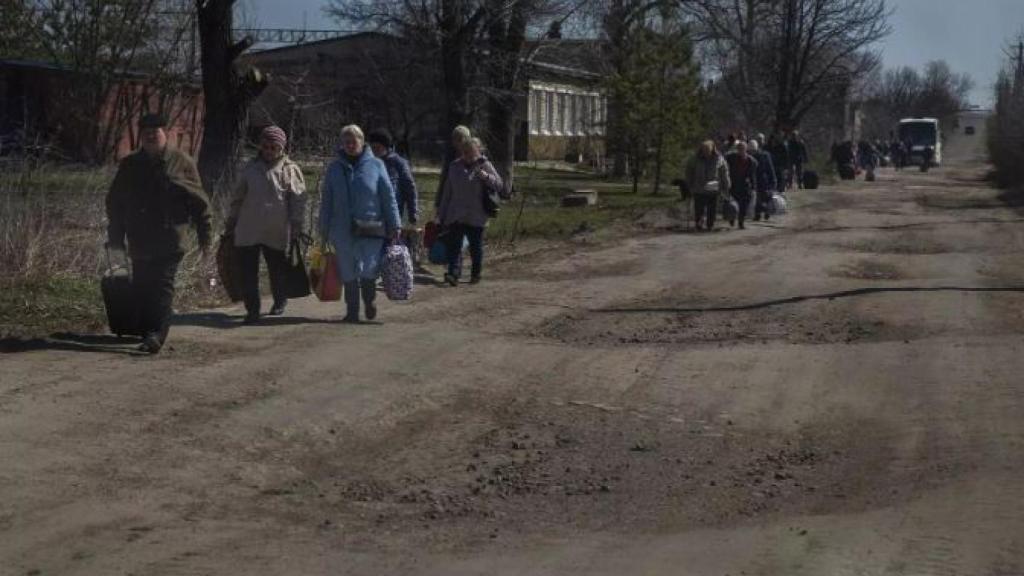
pixel 549 108
pixel 581 117
pixel 570 107
pixel 585 123
pixel 562 110
pixel 536 111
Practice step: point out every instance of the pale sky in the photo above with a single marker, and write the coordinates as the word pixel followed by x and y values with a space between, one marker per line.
pixel 969 34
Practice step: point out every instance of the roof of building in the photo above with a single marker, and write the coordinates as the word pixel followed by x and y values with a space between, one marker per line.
pixel 572 57
pixel 51 66
pixel 577 56
pixel 255 54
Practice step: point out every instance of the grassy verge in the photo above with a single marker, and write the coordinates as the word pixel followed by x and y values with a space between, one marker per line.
pixel 52 229
pixel 535 211
pixel 31 307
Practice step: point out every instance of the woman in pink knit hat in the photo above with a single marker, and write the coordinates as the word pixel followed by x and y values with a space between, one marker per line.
pixel 267 213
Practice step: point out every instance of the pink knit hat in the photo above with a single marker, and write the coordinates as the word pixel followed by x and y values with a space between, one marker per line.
pixel 275 135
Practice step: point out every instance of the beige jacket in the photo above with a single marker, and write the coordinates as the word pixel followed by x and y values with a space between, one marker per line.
pixel 268 203
pixel 700 171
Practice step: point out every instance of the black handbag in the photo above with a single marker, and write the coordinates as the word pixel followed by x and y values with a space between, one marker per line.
pixel 492 203
pixel 296 281
pixel 491 196
pixel 368 229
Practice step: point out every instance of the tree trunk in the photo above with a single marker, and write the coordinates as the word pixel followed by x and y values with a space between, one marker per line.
pixel 456 33
pixel 506 39
pixel 227 93
pixel 501 121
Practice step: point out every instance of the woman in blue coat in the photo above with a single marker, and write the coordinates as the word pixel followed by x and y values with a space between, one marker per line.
pixel 358 214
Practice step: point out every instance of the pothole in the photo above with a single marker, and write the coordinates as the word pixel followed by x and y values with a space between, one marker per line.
pixel 823 322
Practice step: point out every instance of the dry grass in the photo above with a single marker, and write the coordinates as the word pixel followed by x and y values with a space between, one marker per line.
pixel 52 231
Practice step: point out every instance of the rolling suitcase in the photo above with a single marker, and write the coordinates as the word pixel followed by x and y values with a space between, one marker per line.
pixel 811 180
pixel 119 299
pixel 228 267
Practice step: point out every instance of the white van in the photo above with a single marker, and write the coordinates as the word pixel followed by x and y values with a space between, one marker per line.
pixel 921 132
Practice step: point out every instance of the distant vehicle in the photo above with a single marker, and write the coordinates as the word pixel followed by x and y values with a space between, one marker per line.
pixel 969 130
pixel 922 133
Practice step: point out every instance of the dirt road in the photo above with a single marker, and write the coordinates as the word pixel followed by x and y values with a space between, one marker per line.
pixel 837 392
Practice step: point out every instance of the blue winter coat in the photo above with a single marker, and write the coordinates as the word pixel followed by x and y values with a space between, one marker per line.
pixel 404 185
pixel 362 192
pixel 766 178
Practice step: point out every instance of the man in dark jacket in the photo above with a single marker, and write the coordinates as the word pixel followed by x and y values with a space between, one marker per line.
pixel 766 180
pixel 154 198
pixel 399 172
pixel 780 159
pixel 743 179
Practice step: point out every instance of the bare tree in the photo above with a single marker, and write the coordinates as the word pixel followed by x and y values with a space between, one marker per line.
pixel 99 43
pixel 462 34
pixel 448 28
pixel 904 92
pixel 228 91
pixel 120 58
pixel 507 23
pixel 799 50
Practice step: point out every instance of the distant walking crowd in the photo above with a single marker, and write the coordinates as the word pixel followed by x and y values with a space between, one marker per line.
pixel 749 174
pixel 865 156
pixel 368 189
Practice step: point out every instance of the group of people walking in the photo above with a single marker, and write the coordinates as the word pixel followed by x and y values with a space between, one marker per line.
pixel 747 173
pixel 867 155
pixel 368 189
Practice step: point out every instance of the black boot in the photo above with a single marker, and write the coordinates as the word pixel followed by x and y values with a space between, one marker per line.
pixel 369 288
pixel 351 302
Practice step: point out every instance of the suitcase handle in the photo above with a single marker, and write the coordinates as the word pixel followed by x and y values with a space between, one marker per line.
pixel 112 268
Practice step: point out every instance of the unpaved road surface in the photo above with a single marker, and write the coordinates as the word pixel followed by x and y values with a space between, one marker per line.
pixel 837 392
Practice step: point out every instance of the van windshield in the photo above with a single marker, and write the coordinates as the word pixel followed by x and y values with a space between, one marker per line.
pixel 919 133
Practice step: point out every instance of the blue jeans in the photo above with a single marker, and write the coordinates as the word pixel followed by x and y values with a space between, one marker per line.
pixel 454 235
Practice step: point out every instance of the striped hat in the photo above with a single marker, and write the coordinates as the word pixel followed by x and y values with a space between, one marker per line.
pixel 275 135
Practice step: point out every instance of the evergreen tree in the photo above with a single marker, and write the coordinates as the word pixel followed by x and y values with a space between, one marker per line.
pixel 658 92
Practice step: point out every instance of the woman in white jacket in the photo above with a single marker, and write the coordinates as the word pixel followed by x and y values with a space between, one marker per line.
pixel 267 213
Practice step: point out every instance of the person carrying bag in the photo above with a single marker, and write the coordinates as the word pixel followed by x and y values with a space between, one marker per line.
pixel 358 213
pixel 267 217
pixel 463 212
pixel 708 177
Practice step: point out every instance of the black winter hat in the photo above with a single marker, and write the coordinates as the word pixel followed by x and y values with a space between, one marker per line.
pixel 152 121
pixel 382 137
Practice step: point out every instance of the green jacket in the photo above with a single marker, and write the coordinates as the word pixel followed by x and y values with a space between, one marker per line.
pixel 152 201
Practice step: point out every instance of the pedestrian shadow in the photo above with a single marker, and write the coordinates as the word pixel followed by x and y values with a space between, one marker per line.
pixel 222 321
pixel 424 279
pixel 70 342
pixel 799 299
